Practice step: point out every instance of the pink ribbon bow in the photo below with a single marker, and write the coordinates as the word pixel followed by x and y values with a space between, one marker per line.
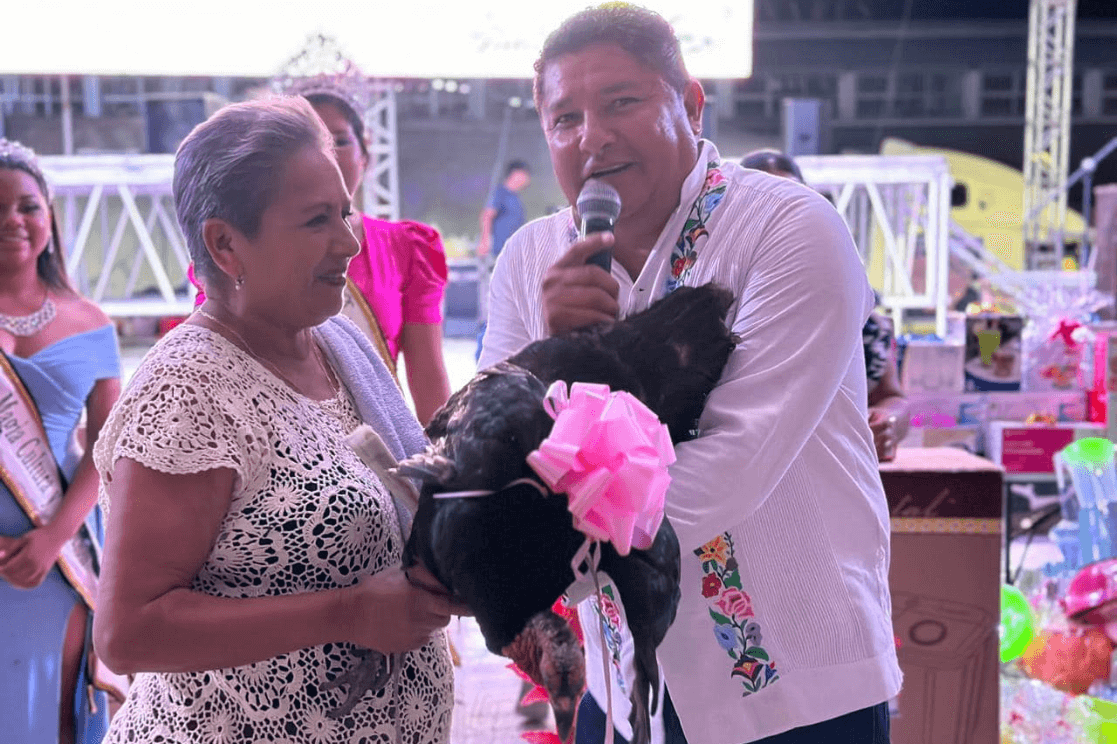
pixel 1065 331
pixel 609 454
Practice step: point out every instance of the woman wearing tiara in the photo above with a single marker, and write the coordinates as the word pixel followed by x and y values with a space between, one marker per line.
pixel 60 359
pixel 400 273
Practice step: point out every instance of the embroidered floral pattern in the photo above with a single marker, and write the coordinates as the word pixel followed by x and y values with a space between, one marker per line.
pixel 735 627
pixel 610 615
pixel 685 252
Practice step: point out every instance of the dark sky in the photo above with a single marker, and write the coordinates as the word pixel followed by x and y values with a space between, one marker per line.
pixel 996 9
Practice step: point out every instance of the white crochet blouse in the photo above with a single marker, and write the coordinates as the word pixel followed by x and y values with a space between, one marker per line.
pixel 306 515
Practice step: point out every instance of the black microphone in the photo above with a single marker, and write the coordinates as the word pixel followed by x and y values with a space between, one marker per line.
pixel 598 205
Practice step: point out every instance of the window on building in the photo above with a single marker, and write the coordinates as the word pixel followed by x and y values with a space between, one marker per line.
pixel 928 94
pixel 1109 94
pixel 806 85
pixel 870 108
pixel 122 96
pixel 759 97
pixel 994 82
pixel 872 95
pixel 909 100
pixel 959 195
pixel 872 83
pixel 39 96
pixel 944 93
pixel 1002 93
pixel 750 109
pixel 751 98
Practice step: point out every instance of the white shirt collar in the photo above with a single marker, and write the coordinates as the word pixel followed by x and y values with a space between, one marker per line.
pixel 635 296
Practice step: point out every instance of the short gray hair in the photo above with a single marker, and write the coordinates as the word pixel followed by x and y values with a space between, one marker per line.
pixel 227 167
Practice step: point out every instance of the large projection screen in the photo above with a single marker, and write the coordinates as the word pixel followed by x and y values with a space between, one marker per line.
pixel 407 38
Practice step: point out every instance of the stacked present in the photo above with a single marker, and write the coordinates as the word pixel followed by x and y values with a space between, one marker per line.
pixel 1016 390
pixel 1036 391
pixel 1058 627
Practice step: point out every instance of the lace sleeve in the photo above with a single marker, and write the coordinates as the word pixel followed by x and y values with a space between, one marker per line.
pixel 184 411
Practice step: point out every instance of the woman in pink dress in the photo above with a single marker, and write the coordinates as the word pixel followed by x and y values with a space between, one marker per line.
pixel 401 269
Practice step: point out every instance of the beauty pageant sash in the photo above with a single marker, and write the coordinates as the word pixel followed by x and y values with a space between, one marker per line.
pixel 356 308
pixel 28 469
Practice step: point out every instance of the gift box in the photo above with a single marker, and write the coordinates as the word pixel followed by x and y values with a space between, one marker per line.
pixel 1057 354
pixel 967 438
pixel 1052 407
pixel 1029 448
pixel 963 409
pixel 993 353
pixel 945 508
pixel 932 367
pixel 946 410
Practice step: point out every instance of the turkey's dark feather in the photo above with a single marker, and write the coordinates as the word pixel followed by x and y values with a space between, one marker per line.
pixel 507 555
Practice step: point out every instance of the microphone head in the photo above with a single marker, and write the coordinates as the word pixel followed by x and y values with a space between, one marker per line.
pixel 598 201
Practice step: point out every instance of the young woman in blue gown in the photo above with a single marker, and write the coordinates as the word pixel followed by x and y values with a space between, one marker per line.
pixel 60 351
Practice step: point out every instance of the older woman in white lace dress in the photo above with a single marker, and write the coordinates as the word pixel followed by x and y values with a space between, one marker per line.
pixel 251 557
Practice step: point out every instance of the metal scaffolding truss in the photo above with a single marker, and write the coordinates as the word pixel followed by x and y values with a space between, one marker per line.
pixel 1034 291
pixel 897 208
pixel 124 247
pixel 322 66
pixel 898 211
pixel 1047 124
pixel 125 250
pixel 380 189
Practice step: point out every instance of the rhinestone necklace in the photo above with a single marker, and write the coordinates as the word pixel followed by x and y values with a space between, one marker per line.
pixel 29 325
pixel 248 349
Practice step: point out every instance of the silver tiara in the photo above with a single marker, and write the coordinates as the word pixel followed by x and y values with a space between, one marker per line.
pixel 12 150
pixel 19 155
pixel 321 67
